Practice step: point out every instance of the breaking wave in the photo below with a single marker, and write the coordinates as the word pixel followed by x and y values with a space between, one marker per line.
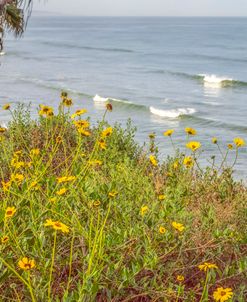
pixel 173 113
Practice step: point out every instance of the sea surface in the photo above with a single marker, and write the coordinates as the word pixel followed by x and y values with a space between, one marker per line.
pixel 163 73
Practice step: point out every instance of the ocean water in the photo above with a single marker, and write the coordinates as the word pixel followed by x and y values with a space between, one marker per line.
pixel 161 72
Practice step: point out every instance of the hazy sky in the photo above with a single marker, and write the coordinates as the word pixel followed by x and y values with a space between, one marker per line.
pixel 144 7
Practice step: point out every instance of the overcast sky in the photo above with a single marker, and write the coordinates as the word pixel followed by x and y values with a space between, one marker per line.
pixel 144 7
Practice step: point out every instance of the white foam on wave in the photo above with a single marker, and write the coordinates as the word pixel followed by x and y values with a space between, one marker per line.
pixel 100 99
pixel 2 53
pixel 173 113
pixel 214 81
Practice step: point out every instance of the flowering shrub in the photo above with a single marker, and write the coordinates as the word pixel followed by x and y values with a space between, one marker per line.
pixel 88 215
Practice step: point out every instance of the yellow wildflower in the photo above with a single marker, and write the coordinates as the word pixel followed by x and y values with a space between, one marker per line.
pixel 188 162
pixel 178 226
pixel 6 107
pixel 35 152
pixel 53 199
pixel 26 263
pixel 113 194
pixel 46 111
pixel 10 211
pixel 162 230
pixel 106 132
pixel 61 191
pixel 5 239
pixel 161 197
pixel 34 185
pixel 96 203
pixel 175 165
pixel 206 265
pixel 193 146
pixel 67 102
pixel 81 124
pixel 222 294
pixel 144 210
pixel 180 278
pixel 17 164
pixel 239 142
pixel 2 129
pixel 230 146
pixel 17 178
pixel 190 131
pixel 57 225
pixel 65 179
pixel 214 140
pixel 152 135
pixel 169 132
pixel 84 132
pixel 64 94
pixel 95 162
pixel 102 144
pixel 78 113
pixel 6 185
pixel 153 160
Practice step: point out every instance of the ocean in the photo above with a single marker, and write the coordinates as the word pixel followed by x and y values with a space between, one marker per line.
pixel 163 73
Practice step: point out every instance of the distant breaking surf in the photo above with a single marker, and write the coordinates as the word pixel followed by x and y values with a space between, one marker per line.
pixel 173 113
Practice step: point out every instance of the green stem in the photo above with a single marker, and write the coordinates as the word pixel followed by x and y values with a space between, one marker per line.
pixel 204 288
pixel 52 264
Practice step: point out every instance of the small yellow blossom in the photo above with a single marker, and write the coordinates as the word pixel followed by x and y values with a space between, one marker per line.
pixel 239 142
pixel 102 144
pixel 162 197
pixel 83 132
pixel 2 129
pixel 82 124
pixel 34 185
pixel 10 211
pixel 190 131
pixel 169 132
pixel 222 294
pixel 214 140
pixel 206 265
pixel 178 226
pixel 152 135
pixel 57 225
pixel 162 230
pixel 35 152
pixel 153 160
pixel 95 162
pixel 180 278
pixel 193 146
pixel 144 210
pixel 188 162
pixel 230 146
pixel 61 191
pixel 6 185
pixel 106 132
pixel 78 113
pixel 26 263
pixel 65 179
pixel 67 102
pixel 96 203
pixel 5 239
pixel 176 165
pixel 6 106
pixel 17 164
pixel 46 111
pixel 113 194
pixel 53 199
pixel 17 178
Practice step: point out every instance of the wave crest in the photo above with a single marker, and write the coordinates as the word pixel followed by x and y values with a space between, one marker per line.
pixel 173 113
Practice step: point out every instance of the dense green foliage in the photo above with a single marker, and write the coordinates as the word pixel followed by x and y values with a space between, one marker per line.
pixel 100 220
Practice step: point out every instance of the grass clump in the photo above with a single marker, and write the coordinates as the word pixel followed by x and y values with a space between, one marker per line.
pixel 88 215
